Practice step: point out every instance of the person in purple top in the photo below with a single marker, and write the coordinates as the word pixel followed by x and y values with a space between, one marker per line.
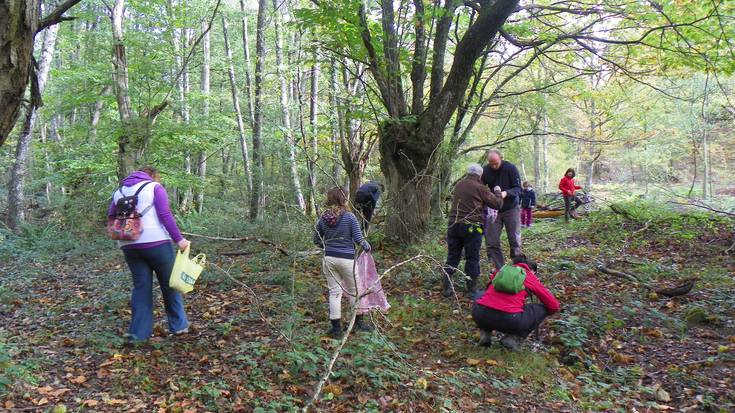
pixel 152 252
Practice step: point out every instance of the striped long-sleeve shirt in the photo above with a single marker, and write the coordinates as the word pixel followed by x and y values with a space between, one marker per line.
pixel 339 234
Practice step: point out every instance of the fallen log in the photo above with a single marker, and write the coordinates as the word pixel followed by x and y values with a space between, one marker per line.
pixel 254 239
pixel 548 214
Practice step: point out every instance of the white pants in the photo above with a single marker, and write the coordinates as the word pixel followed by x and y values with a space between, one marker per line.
pixel 340 276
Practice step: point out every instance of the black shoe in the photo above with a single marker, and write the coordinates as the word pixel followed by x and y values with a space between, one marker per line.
pixel 511 342
pixel 447 290
pixel 336 330
pixel 486 339
pixel 363 325
pixel 471 293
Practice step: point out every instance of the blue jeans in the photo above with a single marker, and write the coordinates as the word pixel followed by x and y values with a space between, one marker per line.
pixel 142 263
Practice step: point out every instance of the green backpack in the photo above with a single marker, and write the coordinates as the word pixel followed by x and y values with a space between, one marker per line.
pixel 509 279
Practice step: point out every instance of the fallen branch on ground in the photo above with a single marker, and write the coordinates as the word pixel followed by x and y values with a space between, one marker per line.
pixel 255 301
pixel 338 350
pixel 703 205
pixel 683 287
pixel 254 239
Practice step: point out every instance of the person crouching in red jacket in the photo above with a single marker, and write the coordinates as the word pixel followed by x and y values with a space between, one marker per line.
pixel 508 313
pixel 568 189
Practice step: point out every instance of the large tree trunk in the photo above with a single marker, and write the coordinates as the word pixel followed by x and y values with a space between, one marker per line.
pixel 285 112
pixel 16 200
pixel 407 163
pixel 256 200
pixel 18 25
pixel 238 112
pixel 409 145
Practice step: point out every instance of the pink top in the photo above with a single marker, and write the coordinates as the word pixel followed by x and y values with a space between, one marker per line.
pixel 513 303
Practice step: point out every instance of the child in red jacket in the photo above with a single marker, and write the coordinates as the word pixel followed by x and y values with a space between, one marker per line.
pixel 568 189
pixel 508 313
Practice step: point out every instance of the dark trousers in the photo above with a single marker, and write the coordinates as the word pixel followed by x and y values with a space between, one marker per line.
pixel 519 324
pixel 568 205
pixel 143 263
pixel 467 238
pixel 365 208
pixel 511 220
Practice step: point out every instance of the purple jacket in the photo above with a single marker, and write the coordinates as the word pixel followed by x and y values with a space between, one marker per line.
pixel 160 201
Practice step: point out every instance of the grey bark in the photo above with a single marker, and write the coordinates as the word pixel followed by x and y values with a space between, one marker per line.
pixel 205 88
pixel 236 106
pixel 285 111
pixel 97 113
pixel 16 199
pixel 257 200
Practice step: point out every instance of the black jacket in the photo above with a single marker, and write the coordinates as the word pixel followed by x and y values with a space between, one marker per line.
pixel 508 179
pixel 528 198
pixel 368 192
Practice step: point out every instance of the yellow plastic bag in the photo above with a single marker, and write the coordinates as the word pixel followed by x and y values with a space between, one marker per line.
pixel 186 271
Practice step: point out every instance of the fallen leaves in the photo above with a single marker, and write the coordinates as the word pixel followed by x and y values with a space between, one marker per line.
pixel 333 388
pixel 472 362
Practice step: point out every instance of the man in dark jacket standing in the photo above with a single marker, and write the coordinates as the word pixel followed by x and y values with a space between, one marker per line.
pixel 466 217
pixel 502 177
pixel 365 201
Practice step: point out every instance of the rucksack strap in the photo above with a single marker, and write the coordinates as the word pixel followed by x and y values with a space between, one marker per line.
pixel 141 188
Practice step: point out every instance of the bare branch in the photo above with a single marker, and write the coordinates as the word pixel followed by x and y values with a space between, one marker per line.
pixel 57 15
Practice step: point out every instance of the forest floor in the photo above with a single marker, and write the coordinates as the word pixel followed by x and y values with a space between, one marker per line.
pixel 614 347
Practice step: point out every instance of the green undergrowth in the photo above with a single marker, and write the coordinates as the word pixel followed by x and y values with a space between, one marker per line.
pixel 590 358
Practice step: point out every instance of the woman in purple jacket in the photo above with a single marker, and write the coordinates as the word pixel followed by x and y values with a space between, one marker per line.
pixel 152 252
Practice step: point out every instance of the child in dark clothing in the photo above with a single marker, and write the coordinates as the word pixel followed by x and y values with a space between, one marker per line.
pixel 528 201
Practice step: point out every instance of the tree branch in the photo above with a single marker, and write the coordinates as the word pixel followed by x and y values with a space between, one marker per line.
pixel 56 16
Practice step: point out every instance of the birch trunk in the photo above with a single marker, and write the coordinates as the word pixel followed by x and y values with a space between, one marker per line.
pixel 705 144
pixel 545 155
pixel 248 64
pixel 97 114
pixel 236 106
pixel 184 90
pixel 16 200
pixel 313 122
pixel 285 113
pixel 257 200
pixel 335 119
pixel 205 87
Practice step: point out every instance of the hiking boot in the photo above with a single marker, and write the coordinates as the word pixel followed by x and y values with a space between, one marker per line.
pixel 336 330
pixel 363 325
pixel 446 287
pixel 471 288
pixel 511 342
pixel 486 339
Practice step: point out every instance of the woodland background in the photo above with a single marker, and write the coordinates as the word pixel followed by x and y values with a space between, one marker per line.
pixel 252 110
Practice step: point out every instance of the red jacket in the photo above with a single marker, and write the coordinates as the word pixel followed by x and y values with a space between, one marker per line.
pixel 567 186
pixel 513 303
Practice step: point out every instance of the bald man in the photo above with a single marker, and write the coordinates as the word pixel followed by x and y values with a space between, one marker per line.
pixel 502 177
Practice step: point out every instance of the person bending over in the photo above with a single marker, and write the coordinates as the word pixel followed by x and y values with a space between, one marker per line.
pixel 508 312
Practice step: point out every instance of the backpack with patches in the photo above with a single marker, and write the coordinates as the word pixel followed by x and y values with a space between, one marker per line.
pixel 509 279
pixel 126 225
